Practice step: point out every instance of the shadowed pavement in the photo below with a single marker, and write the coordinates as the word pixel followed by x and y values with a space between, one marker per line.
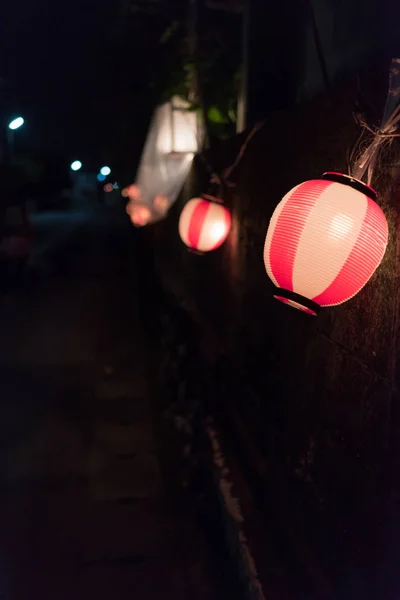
pixel 83 510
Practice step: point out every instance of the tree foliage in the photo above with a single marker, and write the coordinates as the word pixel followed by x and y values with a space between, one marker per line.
pixel 158 57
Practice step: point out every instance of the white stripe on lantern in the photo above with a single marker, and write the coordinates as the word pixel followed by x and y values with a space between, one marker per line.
pixel 186 217
pixel 334 225
pixel 271 231
pixel 213 229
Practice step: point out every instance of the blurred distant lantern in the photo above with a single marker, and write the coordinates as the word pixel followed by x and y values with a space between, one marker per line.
pixel 132 192
pixel 174 136
pixel 161 204
pixel 204 225
pixel 108 187
pixel 100 177
pixel 140 214
pixel 325 240
pixel 179 128
pixel 105 171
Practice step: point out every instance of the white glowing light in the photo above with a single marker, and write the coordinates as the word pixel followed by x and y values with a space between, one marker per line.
pixel 105 171
pixel 340 226
pixel 76 165
pixel 16 123
pixel 178 128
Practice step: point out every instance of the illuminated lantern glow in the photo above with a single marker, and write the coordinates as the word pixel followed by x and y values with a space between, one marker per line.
pixel 204 225
pixel 140 214
pixel 132 192
pixel 180 129
pixel 161 204
pixel 174 136
pixel 325 240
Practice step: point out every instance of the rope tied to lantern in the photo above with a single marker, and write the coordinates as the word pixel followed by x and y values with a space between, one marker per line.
pixel 327 236
pixel 386 132
pixel 222 180
pixel 205 222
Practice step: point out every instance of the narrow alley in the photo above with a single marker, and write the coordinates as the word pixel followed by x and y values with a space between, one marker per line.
pixel 84 512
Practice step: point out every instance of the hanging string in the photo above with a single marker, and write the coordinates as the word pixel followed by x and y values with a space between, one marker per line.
pixel 228 172
pixel 223 179
pixel 386 133
pixel 214 177
pixel 376 132
pixel 366 163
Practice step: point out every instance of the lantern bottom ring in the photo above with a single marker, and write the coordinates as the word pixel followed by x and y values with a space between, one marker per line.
pixel 195 251
pixel 297 301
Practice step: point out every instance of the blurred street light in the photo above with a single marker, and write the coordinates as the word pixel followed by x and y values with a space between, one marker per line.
pixel 105 171
pixel 100 177
pixel 76 165
pixel 16 123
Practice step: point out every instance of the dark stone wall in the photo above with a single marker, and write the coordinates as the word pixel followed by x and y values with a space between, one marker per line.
pixel 289 40
pixel 315 398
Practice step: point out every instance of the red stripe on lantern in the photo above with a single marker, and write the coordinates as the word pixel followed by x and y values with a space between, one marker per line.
pixel 366 254
pixel 289 228
pixel 196 223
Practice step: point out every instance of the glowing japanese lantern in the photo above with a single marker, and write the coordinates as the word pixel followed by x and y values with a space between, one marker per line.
pixel 179 127
pixel 140 214
pixel 132 192
pixel 325 240
pixel 161 204
pixel 204 225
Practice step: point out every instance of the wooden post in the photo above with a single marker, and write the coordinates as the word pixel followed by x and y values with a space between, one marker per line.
pixel 241 123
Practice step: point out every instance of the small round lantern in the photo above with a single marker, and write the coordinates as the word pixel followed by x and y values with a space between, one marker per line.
pixel 325 240
pixel 132 192
pixel 161 204
pixel 204 225
pixel 140 214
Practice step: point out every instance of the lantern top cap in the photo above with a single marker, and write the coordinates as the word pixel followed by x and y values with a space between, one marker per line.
pixel 212 198
pixel 179 103
pixel 356 184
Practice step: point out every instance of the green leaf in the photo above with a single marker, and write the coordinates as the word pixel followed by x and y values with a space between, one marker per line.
pixel 232 115
pixel 169 32
pixel 215 115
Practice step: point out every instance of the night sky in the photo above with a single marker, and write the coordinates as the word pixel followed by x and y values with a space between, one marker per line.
pixel 56 59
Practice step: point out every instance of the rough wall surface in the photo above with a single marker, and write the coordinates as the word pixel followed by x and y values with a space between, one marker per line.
pixel 317 396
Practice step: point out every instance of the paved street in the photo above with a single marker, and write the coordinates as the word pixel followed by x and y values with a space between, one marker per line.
pixel 83 510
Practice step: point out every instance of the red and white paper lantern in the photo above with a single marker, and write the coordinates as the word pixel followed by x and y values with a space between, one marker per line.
pixel 139 214
pixel 325 240
pixel 204 225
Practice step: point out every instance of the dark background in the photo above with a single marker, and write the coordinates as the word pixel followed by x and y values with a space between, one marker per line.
pixel 317 398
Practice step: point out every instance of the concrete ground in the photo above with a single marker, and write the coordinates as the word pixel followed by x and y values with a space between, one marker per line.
pixel 83 507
